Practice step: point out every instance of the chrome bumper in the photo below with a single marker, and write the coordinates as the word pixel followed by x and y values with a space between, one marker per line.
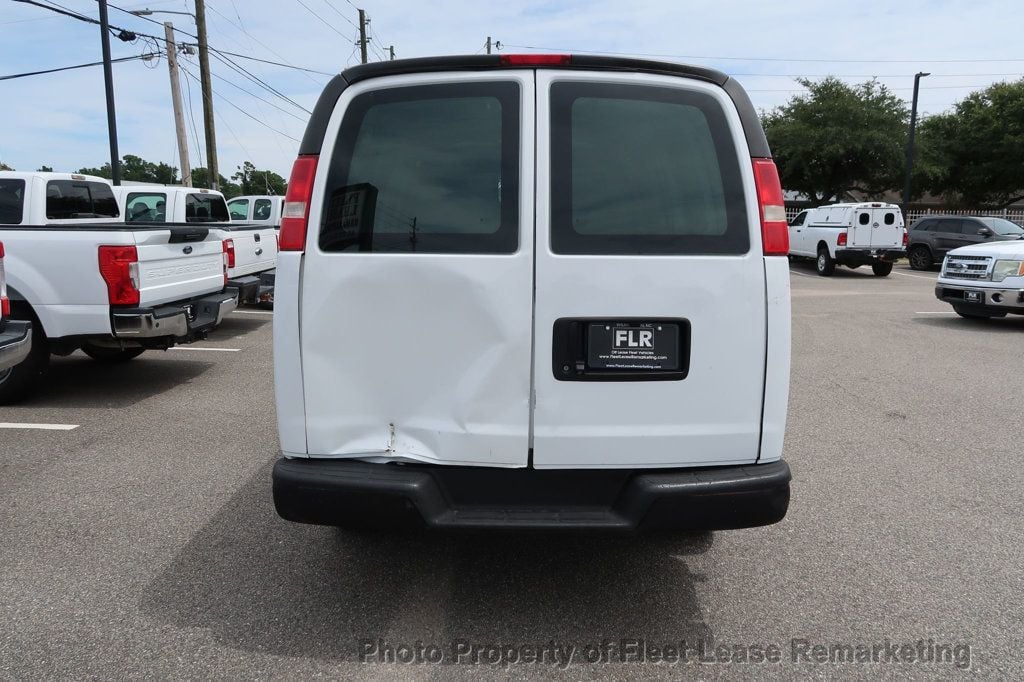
pixel 15 343
pixel 177 320
pixel 993 297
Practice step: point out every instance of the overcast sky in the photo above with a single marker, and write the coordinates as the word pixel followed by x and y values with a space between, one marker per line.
pixel 60 120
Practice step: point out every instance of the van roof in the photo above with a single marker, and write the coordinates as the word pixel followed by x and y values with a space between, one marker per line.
pixel 312 140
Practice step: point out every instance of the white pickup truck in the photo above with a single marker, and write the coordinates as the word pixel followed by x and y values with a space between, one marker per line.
pixel 87 280
pixel 257 209
pixel 851 235
pixel 984 280
pixel 251 248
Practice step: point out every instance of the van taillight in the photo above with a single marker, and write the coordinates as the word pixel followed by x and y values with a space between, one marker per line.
pixel 119 267
pixel 229 252
pixel 295 212
pixel 841 241
pixel 5 303
pixel 774 227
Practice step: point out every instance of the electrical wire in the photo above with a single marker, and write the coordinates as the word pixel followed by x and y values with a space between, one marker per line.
pixel 322 20
pixel 191 116
pixel 77 66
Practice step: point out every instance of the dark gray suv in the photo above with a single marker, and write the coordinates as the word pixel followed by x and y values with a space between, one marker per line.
pixel 932 237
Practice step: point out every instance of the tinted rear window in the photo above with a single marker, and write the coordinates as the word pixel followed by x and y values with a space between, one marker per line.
pixel 145 207
pixel 643 170
pixel 12 200
pixel 79 199
pixel 948 226
pixel 430 169
pixel 200 208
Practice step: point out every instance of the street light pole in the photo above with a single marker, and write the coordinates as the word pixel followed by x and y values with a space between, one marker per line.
pixel 108 84
pixel 910 143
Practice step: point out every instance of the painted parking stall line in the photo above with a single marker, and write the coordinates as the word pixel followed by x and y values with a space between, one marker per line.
pixel 38 427
pixel 202 348
pixel 252 312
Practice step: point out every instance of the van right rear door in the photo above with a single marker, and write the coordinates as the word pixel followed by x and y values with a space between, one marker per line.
pixel 886 228
pixel 650 310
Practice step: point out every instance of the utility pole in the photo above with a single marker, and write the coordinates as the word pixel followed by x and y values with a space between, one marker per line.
pixel 204 74
pixel 488 44
pixel 910 144
pixel 179 116
pixel 362 36
pixel 392 50
pixel 108 84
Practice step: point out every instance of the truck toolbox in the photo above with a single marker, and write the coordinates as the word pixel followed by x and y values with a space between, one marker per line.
pixel 357 494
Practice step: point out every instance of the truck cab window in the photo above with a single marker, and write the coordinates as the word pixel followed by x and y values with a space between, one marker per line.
pixel 12 198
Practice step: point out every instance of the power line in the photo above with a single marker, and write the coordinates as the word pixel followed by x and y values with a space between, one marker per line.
pixel 322 20
pixel 243 111
pixel 255 96
pixel 257 80
pixel 771 59
pixel 267 61
pixel 191 116
pixel 335 10
pixel 148 55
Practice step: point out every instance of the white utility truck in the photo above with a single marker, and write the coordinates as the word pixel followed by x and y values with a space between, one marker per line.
pixel 851 235
pixel 87 280
pixel 258 210
pixel 984 280
pixel 533 292
pixel 251 248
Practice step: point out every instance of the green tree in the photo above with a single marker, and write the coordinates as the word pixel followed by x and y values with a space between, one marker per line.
pixel 4 166
pixel 45 169
pixel 137 169
pixel 974 155
pixel 838 138
pixel 254 181
pixel 201 178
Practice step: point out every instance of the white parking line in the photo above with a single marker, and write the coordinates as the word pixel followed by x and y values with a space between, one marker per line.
pixel 43 427
pixel 218 350
pixel 253 312
pixel 802 274
pixel 907 274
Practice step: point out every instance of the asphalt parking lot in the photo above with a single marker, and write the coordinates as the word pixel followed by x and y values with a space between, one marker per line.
pixel 143 542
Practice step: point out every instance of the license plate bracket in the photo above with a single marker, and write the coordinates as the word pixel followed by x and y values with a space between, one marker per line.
pixel 974 297
pixel 621 349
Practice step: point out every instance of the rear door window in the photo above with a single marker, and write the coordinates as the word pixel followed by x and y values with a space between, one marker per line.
pixel 200 208
pixel 145 208
pixel 12 201
pixel 67 199
pixel 261 209
pixel 890 219
pixel 239 209
pixel 643 170
pixel 864 218
pixel 949 226
pixel 799 219
pixel 432 169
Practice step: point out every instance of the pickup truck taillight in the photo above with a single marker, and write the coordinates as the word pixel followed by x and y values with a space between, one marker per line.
pixel 5 303
pixel 774 226
pixel 229 252
pixel 295 212
pixel 841 240
pixel 904 237
pixel 119 267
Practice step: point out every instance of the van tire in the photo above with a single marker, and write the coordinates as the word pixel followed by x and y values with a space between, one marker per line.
pixel 111 355
pixel 920 258
pixel 825 264
pixel 969 314
pixel 20 381
pixel 881 269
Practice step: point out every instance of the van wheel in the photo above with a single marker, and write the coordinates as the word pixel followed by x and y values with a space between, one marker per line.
pixel 111 355
pixel 971 314
pixel 826 266
pixel 920 258
pixel 882 268
pixel 18 382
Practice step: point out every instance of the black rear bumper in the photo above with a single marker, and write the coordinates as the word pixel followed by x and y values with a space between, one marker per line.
pixel 868 256
pixel 355 494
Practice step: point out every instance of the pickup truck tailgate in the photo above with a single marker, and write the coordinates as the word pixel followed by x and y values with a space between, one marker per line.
pixel 255 249
pixel 178 264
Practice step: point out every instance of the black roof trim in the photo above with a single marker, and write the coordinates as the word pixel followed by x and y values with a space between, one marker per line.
pixel 312 140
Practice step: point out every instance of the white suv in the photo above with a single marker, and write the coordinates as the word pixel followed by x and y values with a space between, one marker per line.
pixel 533 291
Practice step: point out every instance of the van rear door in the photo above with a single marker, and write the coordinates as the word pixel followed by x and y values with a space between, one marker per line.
pixel 886 228
pixel 650 277
pixel 417 277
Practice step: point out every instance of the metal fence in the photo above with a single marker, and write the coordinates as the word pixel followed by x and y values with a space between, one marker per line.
pixel 1014 214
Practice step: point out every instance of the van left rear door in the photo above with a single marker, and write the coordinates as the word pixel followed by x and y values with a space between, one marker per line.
pixel 417 290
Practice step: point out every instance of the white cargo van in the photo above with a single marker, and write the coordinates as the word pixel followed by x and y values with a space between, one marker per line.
pixel 531 292
pixel 851 235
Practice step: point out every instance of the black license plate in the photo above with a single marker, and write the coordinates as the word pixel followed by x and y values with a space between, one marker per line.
pixel 633 346
pixel 974 296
